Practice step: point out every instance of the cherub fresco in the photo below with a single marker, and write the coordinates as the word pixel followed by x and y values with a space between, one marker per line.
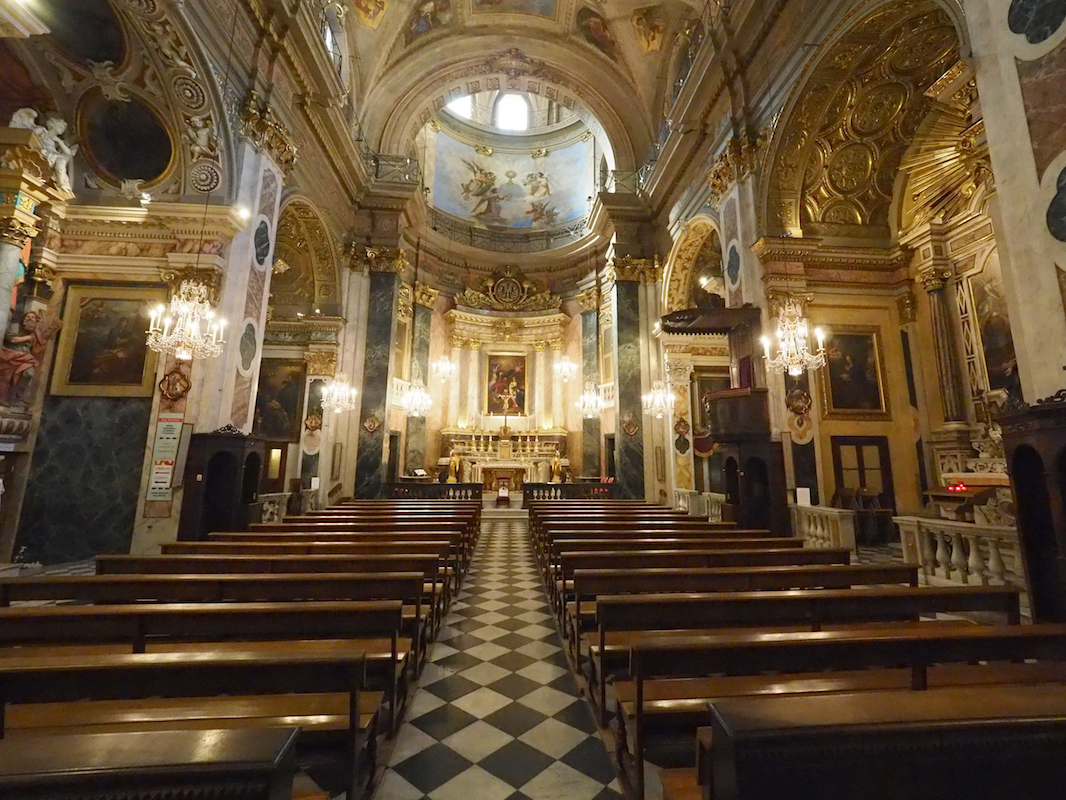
pixel 541 214
pixel 428 16
pixel 650 26
pixel 480 183
pixel 593 28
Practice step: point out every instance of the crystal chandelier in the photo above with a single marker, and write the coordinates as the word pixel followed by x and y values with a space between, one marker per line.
pixel 416 401
pixel 339 395
pixel 444 368
pixel 659 401
pixel 589 402
pixel 188 329
pixel 565 368
pixel 793 337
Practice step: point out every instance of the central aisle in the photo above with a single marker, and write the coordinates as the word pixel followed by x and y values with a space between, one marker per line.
pixel 498 715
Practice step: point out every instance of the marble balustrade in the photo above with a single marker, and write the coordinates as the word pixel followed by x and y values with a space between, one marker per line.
pixel 823 526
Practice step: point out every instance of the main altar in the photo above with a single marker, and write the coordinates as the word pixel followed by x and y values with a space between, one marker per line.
pixel 494 458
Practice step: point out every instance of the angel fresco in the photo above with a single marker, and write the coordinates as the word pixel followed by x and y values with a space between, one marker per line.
pixel 541 214
pixel 370 12
pixel 537 184
pixel 480 183
pixel 650 25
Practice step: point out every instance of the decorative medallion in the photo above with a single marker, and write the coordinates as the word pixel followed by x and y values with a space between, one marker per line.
pixel 313 421
pixel 1037 20
pixel 681 427
pixel 732 266
pixel 630 426
pixel 509 290
pixel 681 445
pixel 262 243
pixel 175 385
pixel 371 424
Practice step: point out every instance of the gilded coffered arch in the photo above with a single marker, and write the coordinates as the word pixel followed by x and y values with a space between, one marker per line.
pixel 682 265
pixel 304 276
pixel 836 156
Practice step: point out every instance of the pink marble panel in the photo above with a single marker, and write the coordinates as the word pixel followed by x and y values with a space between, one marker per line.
pixel 1043 83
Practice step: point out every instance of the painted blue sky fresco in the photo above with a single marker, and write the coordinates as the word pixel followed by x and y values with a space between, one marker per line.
pixel 511 190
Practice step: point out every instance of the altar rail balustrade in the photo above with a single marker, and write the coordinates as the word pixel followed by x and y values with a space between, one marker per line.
pixel 275 505
pixel 568 491
pixel 822 526
pixel 963 553
pixel 433 491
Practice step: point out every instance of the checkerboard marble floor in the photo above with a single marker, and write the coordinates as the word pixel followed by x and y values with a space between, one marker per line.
pixel 498 715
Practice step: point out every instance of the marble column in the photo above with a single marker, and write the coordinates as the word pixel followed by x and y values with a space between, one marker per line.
pixel 541 379
pixel 679 374
pixel 415 451
pixel 380 331
pixel 454 383
pixel 590 375
pixel 629 440
pixel 473 383
pixel 557 384
pixel 934 281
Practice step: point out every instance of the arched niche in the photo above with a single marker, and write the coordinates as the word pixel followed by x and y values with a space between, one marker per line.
pixel 305 277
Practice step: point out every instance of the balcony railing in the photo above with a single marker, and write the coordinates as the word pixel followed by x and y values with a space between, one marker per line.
pixel 521 240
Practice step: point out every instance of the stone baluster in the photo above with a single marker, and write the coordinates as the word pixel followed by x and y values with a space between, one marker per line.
pixel 958 556
pixel 975 564
pixel 943 558
pixel 996 568
pixel 928 557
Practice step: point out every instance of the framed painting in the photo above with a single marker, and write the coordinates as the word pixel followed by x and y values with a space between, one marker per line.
pixel 853 380
pixel 103 346
pixel 279 403
pixel 505 385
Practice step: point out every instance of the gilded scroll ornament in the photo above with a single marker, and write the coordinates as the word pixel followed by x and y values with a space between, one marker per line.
pixel 508 290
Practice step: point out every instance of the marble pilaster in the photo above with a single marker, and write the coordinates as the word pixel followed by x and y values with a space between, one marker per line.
pixel 473 383
pixel 590 372
pixel 629 441
pixel 415 450
pixel 934 281
pixel 380 330
pixel 453 387
pixel 557 385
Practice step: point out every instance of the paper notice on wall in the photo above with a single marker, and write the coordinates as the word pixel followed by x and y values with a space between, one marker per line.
pixel 164 455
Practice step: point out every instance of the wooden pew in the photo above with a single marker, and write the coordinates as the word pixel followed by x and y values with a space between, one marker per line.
pixel 370 626
pixel 665 542
pixel 406 587
pixel 429 564
pixel 623 621
pixel 253 763
pixel 988 743
pixel 199 691
pixel 590 583
pixel 685 559
pixel 936 656
pixel 450 554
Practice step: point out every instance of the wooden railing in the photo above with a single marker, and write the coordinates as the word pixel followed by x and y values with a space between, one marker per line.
pixel 567 491
pixel 963 553
pixel 823 526
pixel 433 491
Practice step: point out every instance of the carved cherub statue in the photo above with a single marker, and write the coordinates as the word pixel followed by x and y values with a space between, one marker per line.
pixel 57 152
pixel 200 137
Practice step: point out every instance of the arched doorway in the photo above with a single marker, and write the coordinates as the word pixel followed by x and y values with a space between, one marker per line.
pixel 1037 531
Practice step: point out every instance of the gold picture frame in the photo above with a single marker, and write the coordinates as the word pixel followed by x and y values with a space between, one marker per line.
pixel 504 385
pixel 103 348
pixel 853 379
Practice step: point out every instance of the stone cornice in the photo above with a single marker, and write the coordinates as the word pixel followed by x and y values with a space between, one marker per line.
pixel 833 264
pixel 470 327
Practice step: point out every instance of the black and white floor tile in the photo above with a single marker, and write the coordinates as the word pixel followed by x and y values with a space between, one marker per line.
pixel 498 714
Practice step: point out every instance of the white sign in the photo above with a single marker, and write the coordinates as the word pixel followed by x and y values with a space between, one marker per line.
pixel 803 496
pixel 164 455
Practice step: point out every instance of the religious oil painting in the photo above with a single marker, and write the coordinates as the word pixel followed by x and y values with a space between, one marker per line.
pixel 370 12
pixel 593 28
pixel 505 387
pixel 103 350
pixel 853 381
pixel 428 16
pixel 540 8
pixel 997 344
pixel 280 399
pixel 650 27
